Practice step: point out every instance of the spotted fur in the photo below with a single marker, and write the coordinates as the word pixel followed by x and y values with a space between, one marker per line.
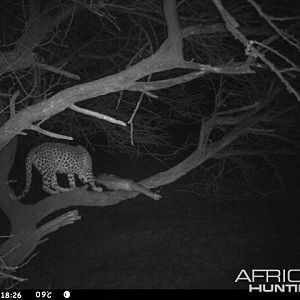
pixel 53 158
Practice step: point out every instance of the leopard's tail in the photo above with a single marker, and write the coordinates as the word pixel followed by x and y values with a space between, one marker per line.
pixel 28 177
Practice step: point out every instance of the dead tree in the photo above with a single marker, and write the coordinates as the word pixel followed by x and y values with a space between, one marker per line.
pixel 25 236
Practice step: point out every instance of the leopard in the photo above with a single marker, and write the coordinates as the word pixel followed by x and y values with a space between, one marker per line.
pixel 54 158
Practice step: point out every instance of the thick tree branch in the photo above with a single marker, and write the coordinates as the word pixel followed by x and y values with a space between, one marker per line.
pixel 165 58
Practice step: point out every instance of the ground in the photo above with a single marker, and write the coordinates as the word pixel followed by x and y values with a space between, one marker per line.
pixel 181 241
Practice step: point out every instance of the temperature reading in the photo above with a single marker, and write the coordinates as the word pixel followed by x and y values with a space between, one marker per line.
pixel 43 294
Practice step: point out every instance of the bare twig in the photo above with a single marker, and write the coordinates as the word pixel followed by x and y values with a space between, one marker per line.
pixel 96 115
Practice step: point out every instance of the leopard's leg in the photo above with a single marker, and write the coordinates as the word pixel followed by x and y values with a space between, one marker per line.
pixel 94 187
pixel 48 182
pixel 72 182
pixel 89 178
pixel 51 185
pixel 83 179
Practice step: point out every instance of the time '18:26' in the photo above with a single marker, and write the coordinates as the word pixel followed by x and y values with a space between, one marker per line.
pixel 10 295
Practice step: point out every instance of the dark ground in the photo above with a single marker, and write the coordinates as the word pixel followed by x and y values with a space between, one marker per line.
pixel 182 241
